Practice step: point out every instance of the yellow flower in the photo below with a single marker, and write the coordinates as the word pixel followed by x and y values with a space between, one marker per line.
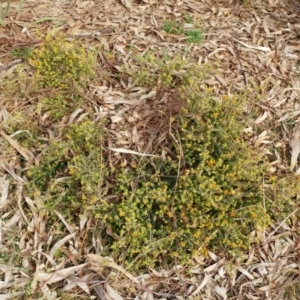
pixel 71 171
pixel 197 234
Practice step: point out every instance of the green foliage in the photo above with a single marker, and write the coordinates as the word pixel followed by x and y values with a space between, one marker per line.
pixel 18 84
pixel 172 27
pixel 188 18
pixel 70 175
pixel 207 194
pixel 65 68
pixel 17 90
pixel 62 64
pixel 293 290
pixel 155 72
pixel 165 72
pixel 5 11
pixel 282 191
pixel 59 103
pixel 22 52
pixel 193 35
pixel 24 130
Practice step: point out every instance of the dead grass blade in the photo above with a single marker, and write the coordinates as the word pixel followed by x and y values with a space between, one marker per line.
pixel 99 261
pixel 23 151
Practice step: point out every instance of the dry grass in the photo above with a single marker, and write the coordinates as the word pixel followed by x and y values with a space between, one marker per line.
pixel 41 258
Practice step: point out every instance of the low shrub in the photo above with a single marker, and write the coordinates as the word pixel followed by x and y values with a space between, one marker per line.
pixel 63 69
pixel 208 198
pixel 70 175
pixel 204 190
pixel 59 103
pixel 207 192
pixel 61 63
pixel 166 72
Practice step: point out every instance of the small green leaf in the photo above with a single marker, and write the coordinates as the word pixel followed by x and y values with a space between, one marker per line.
pixel 45 19
pixel 21 2
pixel 7 9
pixel 2 23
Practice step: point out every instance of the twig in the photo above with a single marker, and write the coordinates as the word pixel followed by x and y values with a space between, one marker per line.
pixel 100 291
pixel 12 63
pixel 276 229
pixel 239 59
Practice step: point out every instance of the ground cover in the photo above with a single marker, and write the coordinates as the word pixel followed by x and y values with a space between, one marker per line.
pixel 146 150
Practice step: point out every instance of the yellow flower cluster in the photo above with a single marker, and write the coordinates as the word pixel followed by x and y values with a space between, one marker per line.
pixel 60 63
